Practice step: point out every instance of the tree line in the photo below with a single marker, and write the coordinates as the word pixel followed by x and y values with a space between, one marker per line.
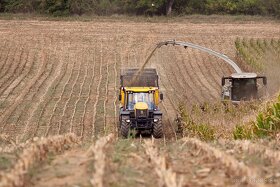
pixel 142 7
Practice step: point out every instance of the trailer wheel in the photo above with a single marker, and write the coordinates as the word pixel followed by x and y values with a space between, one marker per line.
pixel 158 129
pixel 125 128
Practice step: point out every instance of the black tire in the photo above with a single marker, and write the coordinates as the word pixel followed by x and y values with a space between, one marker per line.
pixel 125 128
pixel 158 130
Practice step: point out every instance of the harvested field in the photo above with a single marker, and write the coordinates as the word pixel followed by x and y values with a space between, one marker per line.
pixel 60 77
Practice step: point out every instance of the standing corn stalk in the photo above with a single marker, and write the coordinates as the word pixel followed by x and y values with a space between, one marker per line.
pixel 32 154
pixel 167 177
pixel 99 160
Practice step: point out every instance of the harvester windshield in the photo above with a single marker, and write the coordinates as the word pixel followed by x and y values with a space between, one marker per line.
pixel 134 98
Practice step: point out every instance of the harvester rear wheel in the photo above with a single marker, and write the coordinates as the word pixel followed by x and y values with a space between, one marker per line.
pixel 158 130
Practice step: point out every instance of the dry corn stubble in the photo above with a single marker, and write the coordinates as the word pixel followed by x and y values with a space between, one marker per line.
pixel 167 177
pixel 6 138
pixel 34 153
pixel 99 157
pixel 249 176
pixel 253 148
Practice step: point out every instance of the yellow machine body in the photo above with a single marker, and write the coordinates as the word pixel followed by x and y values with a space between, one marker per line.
pixel 139 102
pixel 154 90
pixel 141 106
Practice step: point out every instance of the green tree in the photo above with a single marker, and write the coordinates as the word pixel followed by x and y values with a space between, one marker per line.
pixel 81 6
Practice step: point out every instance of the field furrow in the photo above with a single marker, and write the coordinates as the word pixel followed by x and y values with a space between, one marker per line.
pixel 55 105
pixel 98 113
pixel 90 114
pixel 86 108
pixel 3 69
pixel 76 114
pixel 16 75
pixel 38 121
pixel 15 69
pixel 4 117
pixel 31 123
pixel 63 125
pixel 10 93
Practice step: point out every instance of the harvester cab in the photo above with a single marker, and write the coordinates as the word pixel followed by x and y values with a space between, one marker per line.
pixel 139 99
pixel 242 87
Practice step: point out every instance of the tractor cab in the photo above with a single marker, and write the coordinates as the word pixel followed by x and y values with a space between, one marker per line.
pixel 139 102
pixel 242 87
pixel 147 100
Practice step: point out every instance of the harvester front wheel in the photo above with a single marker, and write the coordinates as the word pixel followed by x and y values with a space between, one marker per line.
pixel 158 129
pixel 125 128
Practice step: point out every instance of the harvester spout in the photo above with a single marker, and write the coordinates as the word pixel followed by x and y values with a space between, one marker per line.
pixel 204 49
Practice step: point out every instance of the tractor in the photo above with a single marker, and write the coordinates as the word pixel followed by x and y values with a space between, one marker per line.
pixel 139 102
